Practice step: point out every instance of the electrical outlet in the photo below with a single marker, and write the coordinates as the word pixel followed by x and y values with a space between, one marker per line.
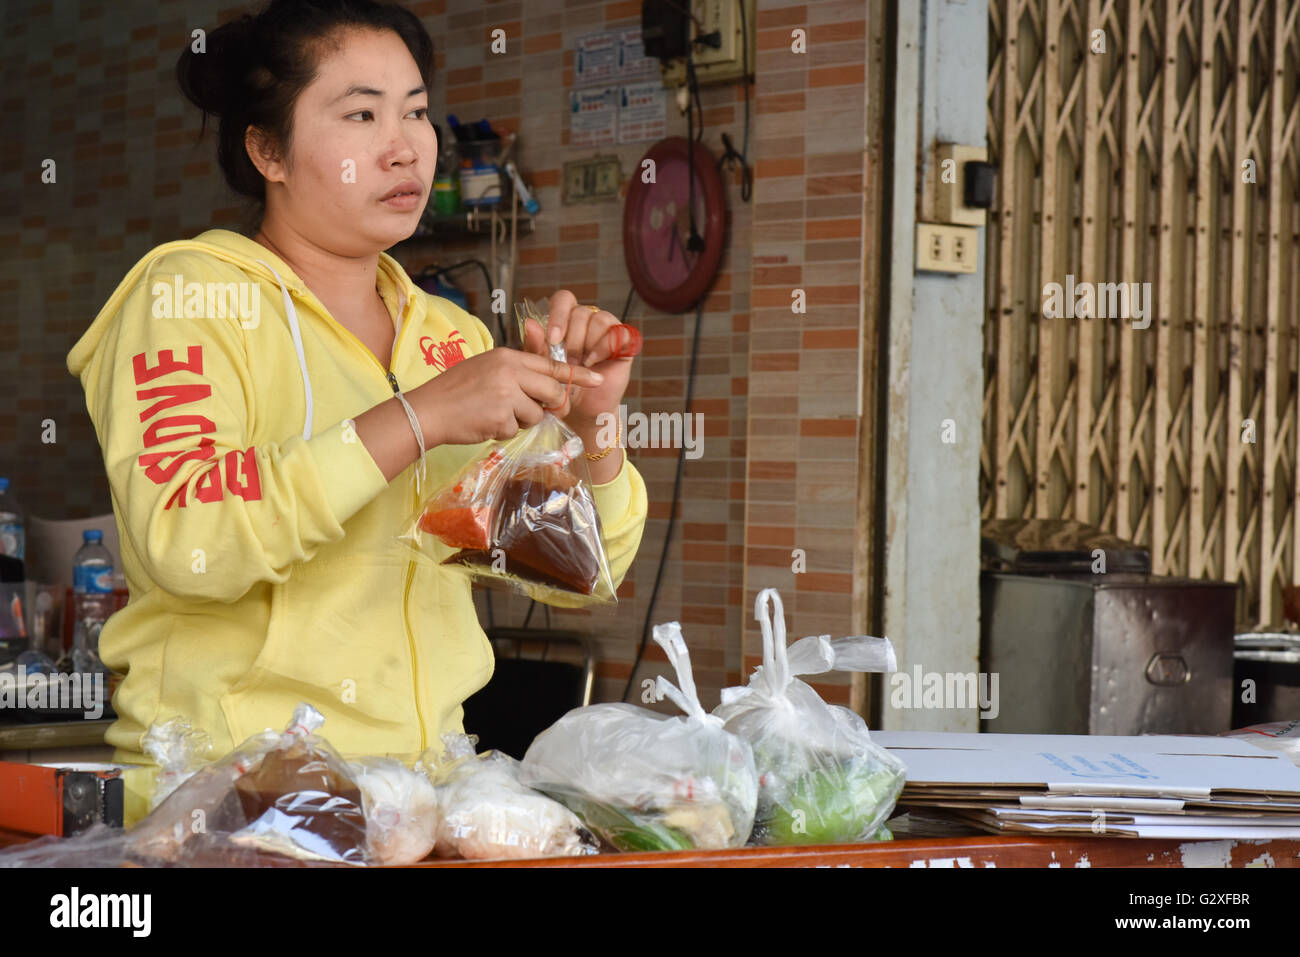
pixel 941 247
pixel 724 63
pixel 721 17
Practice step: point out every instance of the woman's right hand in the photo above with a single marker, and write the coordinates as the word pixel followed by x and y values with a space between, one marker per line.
pixel 495 394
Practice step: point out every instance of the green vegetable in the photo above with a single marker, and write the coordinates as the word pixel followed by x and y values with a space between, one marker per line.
pixel 626 830
pixel 829 806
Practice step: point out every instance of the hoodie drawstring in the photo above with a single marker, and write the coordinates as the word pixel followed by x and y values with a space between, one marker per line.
pixel 292 313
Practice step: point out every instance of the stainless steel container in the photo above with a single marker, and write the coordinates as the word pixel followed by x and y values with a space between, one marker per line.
pixel 1113 651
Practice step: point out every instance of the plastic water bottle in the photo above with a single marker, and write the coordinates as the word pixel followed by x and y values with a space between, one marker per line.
pixel 12 534
pixel 92 582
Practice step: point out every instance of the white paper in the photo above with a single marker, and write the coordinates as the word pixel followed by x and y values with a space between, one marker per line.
pixel 643 112
pixel 596 58
pixel 593 117
pixel 633 63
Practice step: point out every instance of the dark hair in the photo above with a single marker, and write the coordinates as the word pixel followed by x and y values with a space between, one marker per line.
pixel 254 68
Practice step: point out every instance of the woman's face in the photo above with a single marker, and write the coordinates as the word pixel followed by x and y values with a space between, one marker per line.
pixel 360 132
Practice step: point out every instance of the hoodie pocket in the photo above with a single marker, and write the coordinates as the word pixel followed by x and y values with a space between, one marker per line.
pixel 453 655
pixel 335 639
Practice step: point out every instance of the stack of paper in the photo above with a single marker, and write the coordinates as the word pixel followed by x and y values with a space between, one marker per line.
pixel 1158 786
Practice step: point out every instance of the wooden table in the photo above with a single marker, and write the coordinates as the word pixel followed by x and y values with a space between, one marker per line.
pixel 983 851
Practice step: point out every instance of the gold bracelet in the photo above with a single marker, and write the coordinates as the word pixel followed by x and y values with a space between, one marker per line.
pixel 618 436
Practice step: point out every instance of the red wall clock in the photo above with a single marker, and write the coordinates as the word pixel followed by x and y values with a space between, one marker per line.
pixel 666 272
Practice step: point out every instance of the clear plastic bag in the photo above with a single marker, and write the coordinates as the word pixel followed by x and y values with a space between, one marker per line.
pixel 179 750
pixel 401 806
pixel 644 781
pixel 488 814
pixel 524 513
pixel 822 780
pixel 286 794
pixel 1281 736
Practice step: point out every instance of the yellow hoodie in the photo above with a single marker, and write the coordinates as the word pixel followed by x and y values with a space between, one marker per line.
pixel 258 536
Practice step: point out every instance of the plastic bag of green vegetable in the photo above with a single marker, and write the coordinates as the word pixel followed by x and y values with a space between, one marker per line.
pixel 644 781
pixel 822 780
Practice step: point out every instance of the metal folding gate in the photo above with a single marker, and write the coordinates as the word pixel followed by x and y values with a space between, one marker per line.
pixel 1148 142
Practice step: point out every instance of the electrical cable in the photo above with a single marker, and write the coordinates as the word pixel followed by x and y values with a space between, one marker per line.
pixel 672 510
pixel 729 156
pixel 694 242
pixel 487 278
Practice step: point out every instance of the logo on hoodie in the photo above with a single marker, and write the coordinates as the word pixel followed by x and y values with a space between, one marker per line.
pixel 443 354
pixel 183 402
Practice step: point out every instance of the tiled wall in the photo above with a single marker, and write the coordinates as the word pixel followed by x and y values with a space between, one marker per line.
pixel 91 85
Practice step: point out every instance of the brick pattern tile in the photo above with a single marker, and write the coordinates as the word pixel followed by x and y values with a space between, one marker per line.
pixel 92 89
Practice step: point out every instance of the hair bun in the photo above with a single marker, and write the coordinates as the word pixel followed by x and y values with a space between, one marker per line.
pixel 211 80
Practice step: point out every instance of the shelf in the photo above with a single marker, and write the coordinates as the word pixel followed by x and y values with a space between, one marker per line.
pixel 473 221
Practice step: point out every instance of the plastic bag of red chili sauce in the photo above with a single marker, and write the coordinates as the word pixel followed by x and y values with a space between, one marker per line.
pixel 522 513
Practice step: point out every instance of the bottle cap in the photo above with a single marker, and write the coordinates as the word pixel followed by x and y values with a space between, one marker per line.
pixel 92 535
pixel 4 485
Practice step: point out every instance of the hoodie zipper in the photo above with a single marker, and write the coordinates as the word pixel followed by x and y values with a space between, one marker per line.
pixel 391 377
pixel 406 601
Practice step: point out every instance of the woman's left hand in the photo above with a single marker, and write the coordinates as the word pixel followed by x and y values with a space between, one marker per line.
pixel 585 333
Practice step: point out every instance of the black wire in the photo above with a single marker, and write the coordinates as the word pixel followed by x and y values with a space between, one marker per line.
pixel 694 242
pixel 627 305
pixel 729 156
pixel 672 511
pixel 699 106
pixel 547 609
pixel 531 605
pixel 487 279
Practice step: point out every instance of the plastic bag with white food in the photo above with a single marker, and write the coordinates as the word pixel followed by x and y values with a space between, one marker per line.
pixel 822 779
pixel 486 813
pixel 645 781
pixel 401 808
pixel 179 750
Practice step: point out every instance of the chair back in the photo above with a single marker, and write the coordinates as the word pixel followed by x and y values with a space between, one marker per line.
pixel 529 694
pixel 52 544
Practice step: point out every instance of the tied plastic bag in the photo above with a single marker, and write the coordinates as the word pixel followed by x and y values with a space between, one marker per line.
pixel 179 750
pixel 287 794
pixel 522 513
pixel 401 809
pixel 643 781
pixel 487 814
pixel 822 780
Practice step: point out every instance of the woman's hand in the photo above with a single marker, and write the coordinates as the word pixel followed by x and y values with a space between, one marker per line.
pixel 586 334
pixel 495 394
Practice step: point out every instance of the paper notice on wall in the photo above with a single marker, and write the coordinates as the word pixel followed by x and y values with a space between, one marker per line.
pixel 596 58
pixel 643 112
pixel 593 117
pixel 633 63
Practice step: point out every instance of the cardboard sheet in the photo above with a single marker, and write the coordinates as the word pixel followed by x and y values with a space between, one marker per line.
pixel 1156 766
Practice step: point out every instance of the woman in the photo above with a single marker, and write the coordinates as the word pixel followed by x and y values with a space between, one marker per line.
pixel 261 405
